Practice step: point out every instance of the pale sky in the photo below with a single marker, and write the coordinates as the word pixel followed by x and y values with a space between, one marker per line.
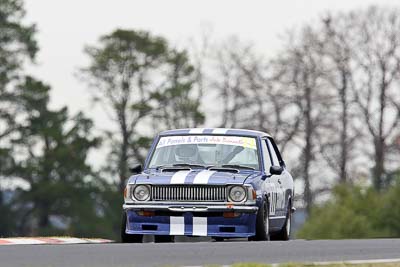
pixel 66 26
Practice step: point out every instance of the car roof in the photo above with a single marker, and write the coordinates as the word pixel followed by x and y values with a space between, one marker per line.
pixel 208 131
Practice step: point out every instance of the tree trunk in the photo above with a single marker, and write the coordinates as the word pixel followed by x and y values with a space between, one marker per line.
pixel 344 134
pixel 379 167
pixel 123 160
pixel 123 166
pixel 307 152
pixel 379 140
pixel 43 204
pixel 43 221
pixel 123 157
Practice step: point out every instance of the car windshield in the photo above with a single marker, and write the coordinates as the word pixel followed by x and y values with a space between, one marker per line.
pixel 206 150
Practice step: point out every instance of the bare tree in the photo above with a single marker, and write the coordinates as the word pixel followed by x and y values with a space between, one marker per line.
pixel 236 93
pixel 376 52
pixel 300 68
pixel 338 140
pixel 199 51
pixel 331 94
pixel 275 96
pixel 248 94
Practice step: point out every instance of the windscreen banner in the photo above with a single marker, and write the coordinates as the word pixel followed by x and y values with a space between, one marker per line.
pixel 248 142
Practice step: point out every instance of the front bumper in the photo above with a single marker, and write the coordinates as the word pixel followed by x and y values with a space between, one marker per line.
pixel 191 220
pixel 192 207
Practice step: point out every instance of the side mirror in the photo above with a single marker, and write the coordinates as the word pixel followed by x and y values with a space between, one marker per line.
pixel 135 169
pixel 277 170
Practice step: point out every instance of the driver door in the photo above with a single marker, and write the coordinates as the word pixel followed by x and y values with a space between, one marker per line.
pixel 277 196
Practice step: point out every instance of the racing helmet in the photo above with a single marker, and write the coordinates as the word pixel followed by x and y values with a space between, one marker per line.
pixel 186 152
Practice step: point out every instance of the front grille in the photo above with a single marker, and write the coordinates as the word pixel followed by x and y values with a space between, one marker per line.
pixel 188 193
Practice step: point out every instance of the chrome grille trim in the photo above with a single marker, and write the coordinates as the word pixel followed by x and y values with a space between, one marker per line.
pixel 205 193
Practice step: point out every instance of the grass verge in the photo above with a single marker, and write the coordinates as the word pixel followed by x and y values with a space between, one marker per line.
pixel 391 264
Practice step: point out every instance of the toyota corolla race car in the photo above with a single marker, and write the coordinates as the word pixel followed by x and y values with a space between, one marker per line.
pixel 221 183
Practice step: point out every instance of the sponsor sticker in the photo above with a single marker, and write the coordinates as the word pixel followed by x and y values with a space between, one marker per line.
pixel 247 142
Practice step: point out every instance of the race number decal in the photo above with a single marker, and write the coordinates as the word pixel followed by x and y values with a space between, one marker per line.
pixel 272 194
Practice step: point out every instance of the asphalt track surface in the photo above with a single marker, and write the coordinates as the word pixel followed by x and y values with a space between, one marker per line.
pixel 196 253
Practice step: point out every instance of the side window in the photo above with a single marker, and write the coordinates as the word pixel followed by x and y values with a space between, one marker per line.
pixel 266 156
pixel 275 159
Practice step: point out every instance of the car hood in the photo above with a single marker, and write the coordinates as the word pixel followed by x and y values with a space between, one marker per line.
pixel 191 177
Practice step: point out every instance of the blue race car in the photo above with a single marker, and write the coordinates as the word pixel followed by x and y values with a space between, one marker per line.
pixel 221 183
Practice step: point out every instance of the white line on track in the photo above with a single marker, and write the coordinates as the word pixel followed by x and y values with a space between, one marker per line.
pixel 354 262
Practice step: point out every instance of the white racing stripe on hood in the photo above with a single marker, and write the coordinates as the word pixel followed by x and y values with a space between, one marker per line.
pixel 200 226
pixel 203 177
pixel 176 225
pixel 179 177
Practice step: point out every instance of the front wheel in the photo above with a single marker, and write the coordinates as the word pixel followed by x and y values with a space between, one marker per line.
pixel 284 233
pixel 127 238
pixel 262 223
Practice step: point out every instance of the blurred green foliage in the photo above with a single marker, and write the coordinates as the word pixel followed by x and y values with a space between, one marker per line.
pixel 17 46
pixel 142 83
pixel 355 212
pixel 53 147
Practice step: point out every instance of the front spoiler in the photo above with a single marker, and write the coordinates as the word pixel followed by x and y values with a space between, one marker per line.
pixel 191 208
pixel 191 224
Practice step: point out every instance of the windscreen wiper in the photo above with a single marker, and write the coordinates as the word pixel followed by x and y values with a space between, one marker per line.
pixel 237 166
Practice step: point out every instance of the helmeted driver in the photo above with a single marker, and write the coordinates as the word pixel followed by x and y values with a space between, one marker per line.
pixel 188 153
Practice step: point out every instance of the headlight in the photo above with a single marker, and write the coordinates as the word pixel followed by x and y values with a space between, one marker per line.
pixel 237 193
pixel 141 193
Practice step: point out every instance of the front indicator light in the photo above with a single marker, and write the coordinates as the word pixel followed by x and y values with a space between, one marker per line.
pixel 125 192
pixel 146 213
pixel 128 193
pixel 254 193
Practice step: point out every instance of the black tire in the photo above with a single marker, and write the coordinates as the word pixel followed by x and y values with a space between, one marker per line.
pixel 163 238
pixel 127 238
pixel 218 239
pixel 262 223
pixel 284 233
